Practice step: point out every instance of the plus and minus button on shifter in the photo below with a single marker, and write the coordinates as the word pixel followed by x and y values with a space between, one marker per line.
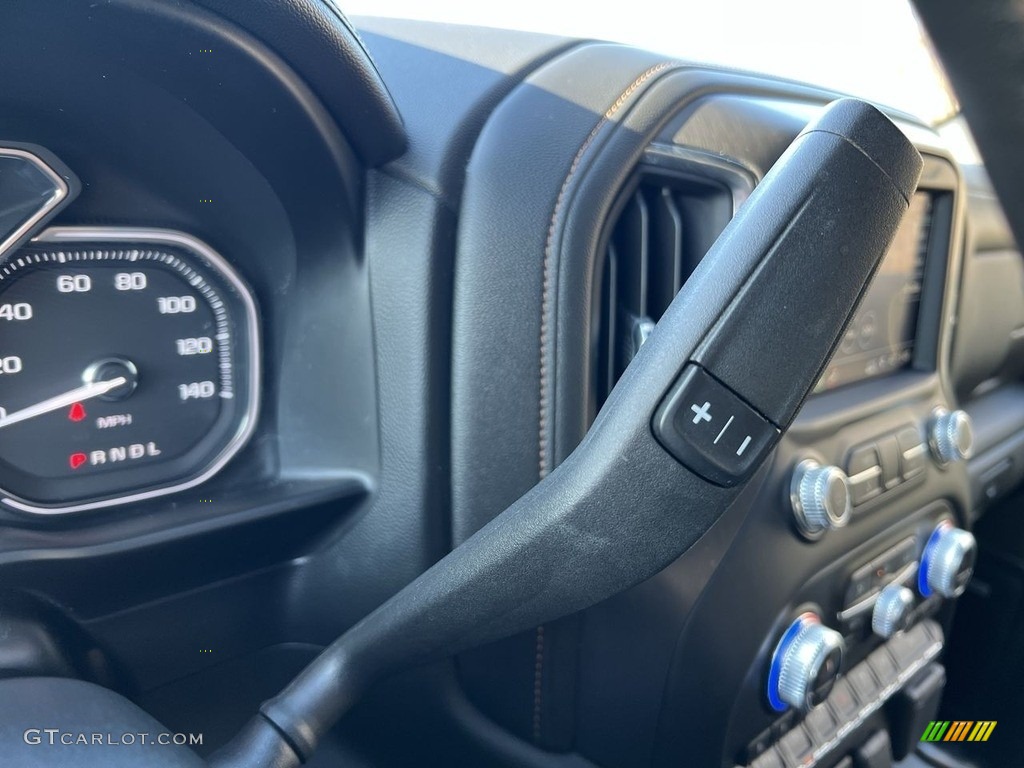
pixel 710 429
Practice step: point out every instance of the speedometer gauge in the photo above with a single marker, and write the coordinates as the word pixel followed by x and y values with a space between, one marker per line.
pixel 129 367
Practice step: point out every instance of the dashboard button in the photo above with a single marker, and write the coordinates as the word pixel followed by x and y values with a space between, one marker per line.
pixel 929 633
pixel 863 458
pixel 865 472
pixel 910 646
pixel 893 560
pixel 889 457
pixel 864 683
pixel 882 664
pixel 708 428
pixel 913 453
pixel 843 701
pixel 903 554
pixel 821 724
pixel 770 759
pixel 797 747
pixel 861 584
pixel 876 752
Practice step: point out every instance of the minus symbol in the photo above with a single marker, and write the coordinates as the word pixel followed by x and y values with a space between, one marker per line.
pixel 743 446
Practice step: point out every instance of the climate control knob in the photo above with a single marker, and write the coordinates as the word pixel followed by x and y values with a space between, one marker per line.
pixel 820 496
pixel 805 664
pixel 950 436
pixel 893 608
pixel 947 562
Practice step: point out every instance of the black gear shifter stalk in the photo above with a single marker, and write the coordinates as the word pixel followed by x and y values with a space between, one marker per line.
pixel 748 336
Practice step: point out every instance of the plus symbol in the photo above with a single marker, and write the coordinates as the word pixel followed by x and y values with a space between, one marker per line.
pixel 701 413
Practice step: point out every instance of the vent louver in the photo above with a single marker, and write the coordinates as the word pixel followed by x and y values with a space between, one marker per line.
pixel 666 225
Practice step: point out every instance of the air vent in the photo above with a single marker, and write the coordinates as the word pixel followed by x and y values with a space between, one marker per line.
pixel 666 225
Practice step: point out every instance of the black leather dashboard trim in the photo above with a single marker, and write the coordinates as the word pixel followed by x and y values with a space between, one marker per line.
pixel 513 182
pixel 521 169
pixel 548 315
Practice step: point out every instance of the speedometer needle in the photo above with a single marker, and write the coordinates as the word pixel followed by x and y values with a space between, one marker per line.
pixel 87 392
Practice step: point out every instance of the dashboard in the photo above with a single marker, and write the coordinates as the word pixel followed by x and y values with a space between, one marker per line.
pixel 264 360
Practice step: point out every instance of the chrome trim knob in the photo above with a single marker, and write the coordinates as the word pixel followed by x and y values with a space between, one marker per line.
pixel 820 496
pixel 805 664
pixel 950 436
pixel 947 563
pixel 892 610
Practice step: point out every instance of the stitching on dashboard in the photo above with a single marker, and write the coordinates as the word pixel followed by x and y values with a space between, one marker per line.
pixel 544 407
pixel 546 290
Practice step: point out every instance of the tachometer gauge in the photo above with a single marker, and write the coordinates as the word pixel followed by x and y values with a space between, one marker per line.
pixel 129 367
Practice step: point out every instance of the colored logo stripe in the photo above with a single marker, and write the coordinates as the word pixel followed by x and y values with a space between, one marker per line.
pixel 958 730
pixel 982 730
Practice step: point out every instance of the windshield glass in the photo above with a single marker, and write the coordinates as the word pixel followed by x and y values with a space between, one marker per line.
pixel 872 48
